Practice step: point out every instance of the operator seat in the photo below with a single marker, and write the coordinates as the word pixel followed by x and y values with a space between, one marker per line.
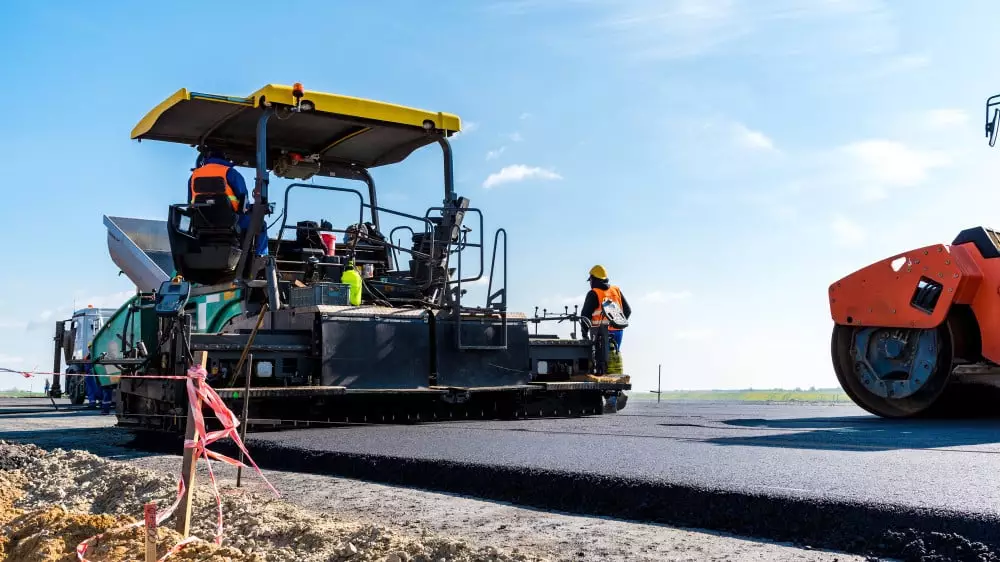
pixel 205 238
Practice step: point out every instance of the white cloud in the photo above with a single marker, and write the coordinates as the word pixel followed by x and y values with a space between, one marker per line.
pixel 749 138
pixel 676 28
pixel 650 297
pixel 393 196
pixel 525 115
pixel 907 62
pixel 659 297
pixel 467 127
pixel 940 118
pixel 561 301
pixel 847 232
pixel 10 361
pixel 694 334
pixel 671 29
pixel 515 137
pixel 885 164
pixel 40 324
pixel 518 172
pixel 113 300
pixel 47 318
pixel 493 154
pixel 484 280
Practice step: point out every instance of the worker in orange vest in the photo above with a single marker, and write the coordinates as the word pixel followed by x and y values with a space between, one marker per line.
pixel 211 167
pixel 601 290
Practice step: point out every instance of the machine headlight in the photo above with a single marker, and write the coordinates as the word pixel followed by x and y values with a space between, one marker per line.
pixel 265 369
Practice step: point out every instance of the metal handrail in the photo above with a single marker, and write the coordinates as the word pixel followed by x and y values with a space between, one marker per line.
pixel 428 224
pixel 493 262
pixel 490 296
pixel 460 246
pixel 284 209
pixel 449 246
pixel 392 233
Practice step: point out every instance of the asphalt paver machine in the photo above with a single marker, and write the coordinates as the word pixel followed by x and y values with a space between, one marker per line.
pixel 296 346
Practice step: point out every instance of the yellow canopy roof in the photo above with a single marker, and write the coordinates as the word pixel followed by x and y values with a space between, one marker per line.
pixel 342 130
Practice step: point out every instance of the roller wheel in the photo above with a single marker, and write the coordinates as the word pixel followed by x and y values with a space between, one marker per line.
pixel 894 372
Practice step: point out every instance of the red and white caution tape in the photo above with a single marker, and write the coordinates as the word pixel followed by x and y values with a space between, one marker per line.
pixel 30 374
pixel 198 394
pixel 81 548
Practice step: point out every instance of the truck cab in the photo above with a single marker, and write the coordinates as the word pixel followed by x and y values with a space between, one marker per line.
pixel 76 337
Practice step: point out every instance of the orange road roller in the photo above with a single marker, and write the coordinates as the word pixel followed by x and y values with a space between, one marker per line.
pixel 918 334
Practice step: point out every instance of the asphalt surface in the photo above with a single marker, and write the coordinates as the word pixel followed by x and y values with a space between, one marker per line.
pixel 826 475
pixel 835 452
pixel 829 476
pixel 33 403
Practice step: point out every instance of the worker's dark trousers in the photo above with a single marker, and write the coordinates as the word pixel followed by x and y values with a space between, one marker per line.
pixel 106 396
pixel 93 389
pixel 617 336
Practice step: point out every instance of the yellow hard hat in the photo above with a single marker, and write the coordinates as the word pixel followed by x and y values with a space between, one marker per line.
pixel 599 272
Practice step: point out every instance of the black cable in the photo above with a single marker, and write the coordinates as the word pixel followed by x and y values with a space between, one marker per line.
pixel 372 292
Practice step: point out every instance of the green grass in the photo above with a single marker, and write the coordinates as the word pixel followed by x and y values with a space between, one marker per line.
pixel 830 395
pixel 20 394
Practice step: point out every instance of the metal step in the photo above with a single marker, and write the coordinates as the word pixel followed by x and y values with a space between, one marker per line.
pixel 582 385
pixel 280 391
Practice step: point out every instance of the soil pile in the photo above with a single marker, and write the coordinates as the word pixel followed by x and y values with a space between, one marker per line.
pixel 50 501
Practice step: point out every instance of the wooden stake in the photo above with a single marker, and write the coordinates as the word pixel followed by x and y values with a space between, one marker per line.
pixel 190 462
pixel 246 414
pixel 149 514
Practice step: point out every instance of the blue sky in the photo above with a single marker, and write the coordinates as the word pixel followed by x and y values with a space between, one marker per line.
pixel 725 160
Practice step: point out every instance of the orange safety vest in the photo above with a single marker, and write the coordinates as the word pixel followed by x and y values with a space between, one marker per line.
pixel 597 317
pixel 206 181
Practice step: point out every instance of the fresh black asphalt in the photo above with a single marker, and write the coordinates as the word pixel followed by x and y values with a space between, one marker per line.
pixel 835 452
pixel 825 475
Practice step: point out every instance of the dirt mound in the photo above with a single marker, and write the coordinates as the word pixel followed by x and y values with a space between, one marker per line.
pixel 15 457
pixel 52 534
pixel 83 482
pixel 56 499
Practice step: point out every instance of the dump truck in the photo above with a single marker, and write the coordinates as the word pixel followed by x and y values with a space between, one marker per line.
pixel 287 335
pixel 918 333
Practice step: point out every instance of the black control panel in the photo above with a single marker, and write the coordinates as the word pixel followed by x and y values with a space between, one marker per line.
pixel 172 297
